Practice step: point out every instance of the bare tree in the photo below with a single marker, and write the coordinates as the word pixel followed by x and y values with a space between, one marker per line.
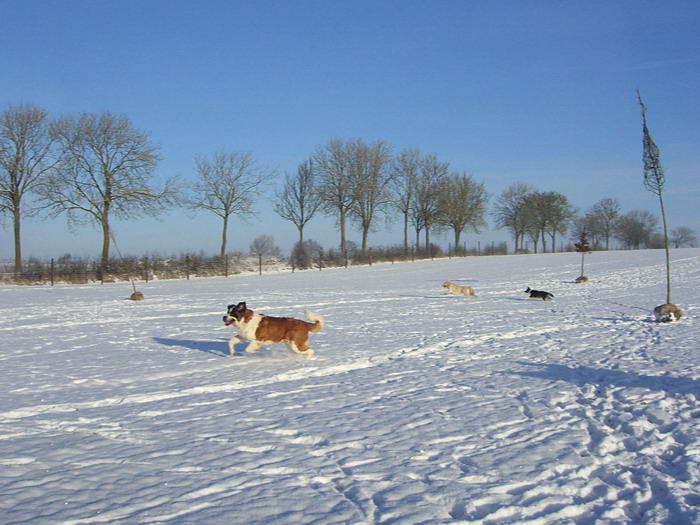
pixel 304 253
pixel 635 228
pixel 416 219
pixel 579 225
pixel 463 204
pixel 332 163
pixel 298 201
pixel 603 216
pixel 588 224
pixel 559 213
pixel 26 156
pixel 226 185
pixel 370 179
pixel 405 174
pixel 426 210
pixel 654 181
pixel 263 246
pixel 546 213
pixel 511 211
pixel 583 248
pixel 536 218
pixel 683 236
pixel 105 171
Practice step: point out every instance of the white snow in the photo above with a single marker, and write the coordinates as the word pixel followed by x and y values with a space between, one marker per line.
pixel 419 407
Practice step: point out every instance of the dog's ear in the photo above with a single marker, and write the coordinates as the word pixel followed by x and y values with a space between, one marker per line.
pixel 229 307
pixel 241 307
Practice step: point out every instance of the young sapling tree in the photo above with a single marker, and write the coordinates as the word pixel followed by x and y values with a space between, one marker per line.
pixel 583 248
pixel 654 181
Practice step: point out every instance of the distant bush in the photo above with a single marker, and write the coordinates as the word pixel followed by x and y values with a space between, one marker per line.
pixel 304 254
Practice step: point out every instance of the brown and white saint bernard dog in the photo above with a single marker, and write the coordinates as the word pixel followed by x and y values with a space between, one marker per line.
pixel 261 329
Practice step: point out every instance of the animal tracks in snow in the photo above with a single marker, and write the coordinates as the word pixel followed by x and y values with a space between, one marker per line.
pixel 419 409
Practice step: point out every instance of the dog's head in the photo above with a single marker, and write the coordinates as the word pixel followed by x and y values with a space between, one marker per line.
pixel 234 313
pixel 446 284
pixel 528 290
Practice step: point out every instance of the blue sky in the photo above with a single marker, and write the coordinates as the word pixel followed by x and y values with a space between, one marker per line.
pixel 534 91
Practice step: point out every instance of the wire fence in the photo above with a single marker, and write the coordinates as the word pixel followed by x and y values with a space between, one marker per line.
pixel 83 271
pixel 70 270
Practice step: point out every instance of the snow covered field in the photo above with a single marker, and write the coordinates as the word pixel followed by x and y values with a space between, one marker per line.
pixel 419 408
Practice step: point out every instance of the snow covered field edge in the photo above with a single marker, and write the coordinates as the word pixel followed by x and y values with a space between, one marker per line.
pixel 419 408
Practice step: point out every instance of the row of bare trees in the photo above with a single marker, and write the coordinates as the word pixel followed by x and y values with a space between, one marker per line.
pixel 534 215
pixel 635 229
pixel 90 167
pixel 96 167
pixel 362 182
pixel 537 215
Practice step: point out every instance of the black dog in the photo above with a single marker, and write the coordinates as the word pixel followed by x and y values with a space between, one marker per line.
pixel 545 296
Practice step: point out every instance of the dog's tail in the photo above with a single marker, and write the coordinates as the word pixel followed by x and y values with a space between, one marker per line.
pixel 316 319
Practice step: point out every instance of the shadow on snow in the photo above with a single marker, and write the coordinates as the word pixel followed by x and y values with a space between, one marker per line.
pixel 582 375
pixel 219 348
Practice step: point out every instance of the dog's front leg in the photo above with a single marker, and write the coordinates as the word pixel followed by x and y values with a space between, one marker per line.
pixel 252 347
pixel 232 345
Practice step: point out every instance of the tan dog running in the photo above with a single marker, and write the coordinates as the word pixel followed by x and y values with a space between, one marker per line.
pixel 261 329
pixel 453 289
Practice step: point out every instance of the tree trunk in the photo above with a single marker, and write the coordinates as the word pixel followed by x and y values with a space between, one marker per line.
pixel 18 240
pixel 405 233
pixel 458 234
pixel 544 242
pixel 341 224
pixel 365 236
pixel 224 234
pixel 668 255
pixel 104 261
pixel 104 219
